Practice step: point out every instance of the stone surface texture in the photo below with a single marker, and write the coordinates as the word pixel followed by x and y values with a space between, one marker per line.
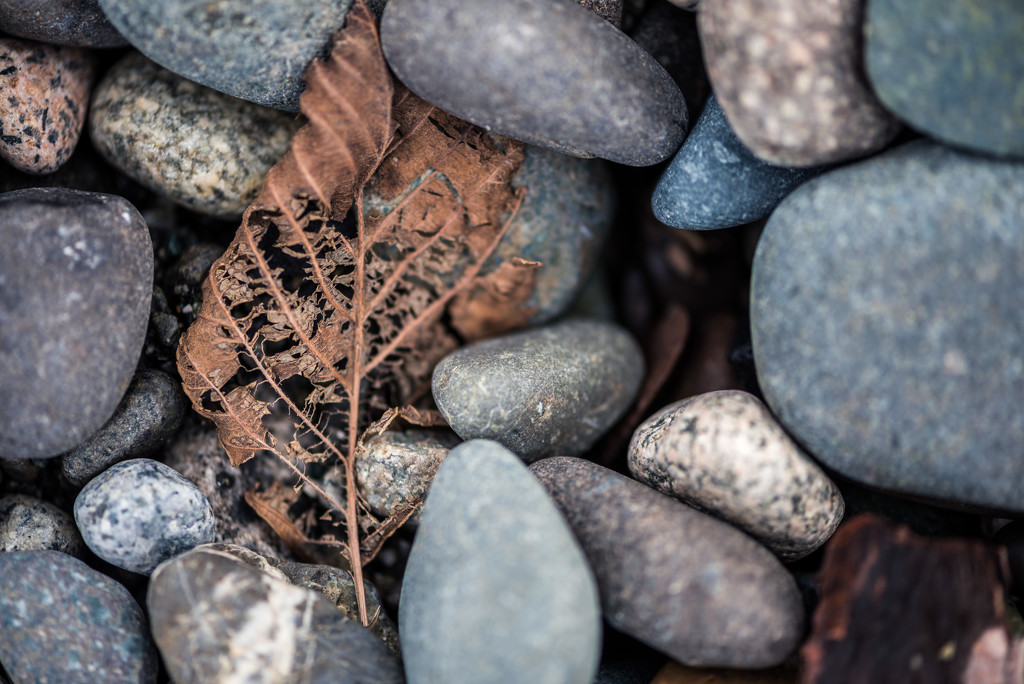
pixel 31 524
pixel 63 22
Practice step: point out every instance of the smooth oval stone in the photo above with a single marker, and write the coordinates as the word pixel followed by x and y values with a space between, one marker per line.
pixel 496 589
pixel 45 96
pixel 64 22
pixel 715 181
pixel 68 350
pixel 62 621
pixel 31 524
pixel 203 149
pixel 788 75
pixel 550 73
pixel 546 391
pixel 952 69
pixel 149 413
pixel 217 619
pixel 723 453
pixel 887 326
pixel 674 578
pixel 139 513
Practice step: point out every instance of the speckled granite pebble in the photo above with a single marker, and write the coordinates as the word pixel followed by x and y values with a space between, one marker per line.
pixel 203 149
pixel 139 513
pixel 724 453
pixel 62 621
pixel 546 391
pixel 556 75
pixel 45 94
pixel 789 76
pixel 63 22
pixel 609 10
pixel 677 579
pixel 31 524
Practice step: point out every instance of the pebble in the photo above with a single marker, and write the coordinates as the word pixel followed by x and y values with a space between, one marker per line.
pixel 68 350
pixel 203 149
pixel 139 513
pixel 672 577
pixel 218 619
pixel 789 76
pixel 543 392
pixel 887 325
pixel 45 96
pixel 951 69
pixel 496 589
pixel 31 524
pixel 62 621
pixel 150 412
pixel 723 453
pixel 714 181
pixel 64 22
pixel 569 81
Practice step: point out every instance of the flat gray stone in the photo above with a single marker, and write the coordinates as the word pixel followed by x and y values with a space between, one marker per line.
pixel 887 327
pixel 31 524
pixel 549 72
pixel 672 577
pixel 77 283
pixel 496 588
pixel 64 22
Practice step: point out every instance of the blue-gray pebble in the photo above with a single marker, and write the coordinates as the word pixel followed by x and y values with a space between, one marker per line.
pixel 62 22
pixel 62 621
pixel 887 325
pixel 496 589
pixel 139 513
pixel 715 181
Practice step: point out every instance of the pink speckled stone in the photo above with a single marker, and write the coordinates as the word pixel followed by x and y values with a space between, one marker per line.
pixel 44 93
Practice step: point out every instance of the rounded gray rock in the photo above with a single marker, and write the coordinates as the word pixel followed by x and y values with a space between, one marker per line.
pixel 550 73
pixel 542 392
pixel 31 524
pixel 77 282
pixel 139 513
pixel 64 22
pixel 887 327
pixel 496 588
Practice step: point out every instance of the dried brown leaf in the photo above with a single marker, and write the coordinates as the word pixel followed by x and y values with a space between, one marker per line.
pixel 496 302
pixel 272 506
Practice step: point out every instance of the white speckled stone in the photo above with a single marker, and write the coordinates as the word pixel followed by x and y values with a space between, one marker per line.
pixel 31 524
pixel 724 453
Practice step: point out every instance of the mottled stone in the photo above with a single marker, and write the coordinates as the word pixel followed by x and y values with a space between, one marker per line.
pixel 139 513
pixel 45 97
pixel 714 181
pixel 149 413
pixel 31 524
pixel 952 69
pixel 609 10
pixel 61 621
pixel 788 75
pixel 68 350
pixel 887 327
pixel 557 75
pixel 496 588
pixel 206 604
pixel 64 22
pixel 203 149
pixel 677 579
pixel 722 452
pixel 546 391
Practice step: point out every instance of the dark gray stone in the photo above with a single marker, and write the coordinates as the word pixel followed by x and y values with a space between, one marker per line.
pixel 542 392
pixel 75 288
pixel 496 588
pixel 550 73
pixel 61 621
pixel 672 577
pixel 207 603
pixel 150 412
pixel 714 181
pixel 952 69
pixel 139 513
pixel 64 22
pixel 887 327
pixel 31 524
pixel 609 10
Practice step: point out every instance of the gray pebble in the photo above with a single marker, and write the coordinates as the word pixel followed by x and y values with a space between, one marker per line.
pixel 676 579
pixel 556 75
pixel 64 22
pixel 68 350
pixel 31 524
pixel 496 588
pixel 139 513
pixel 546 391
